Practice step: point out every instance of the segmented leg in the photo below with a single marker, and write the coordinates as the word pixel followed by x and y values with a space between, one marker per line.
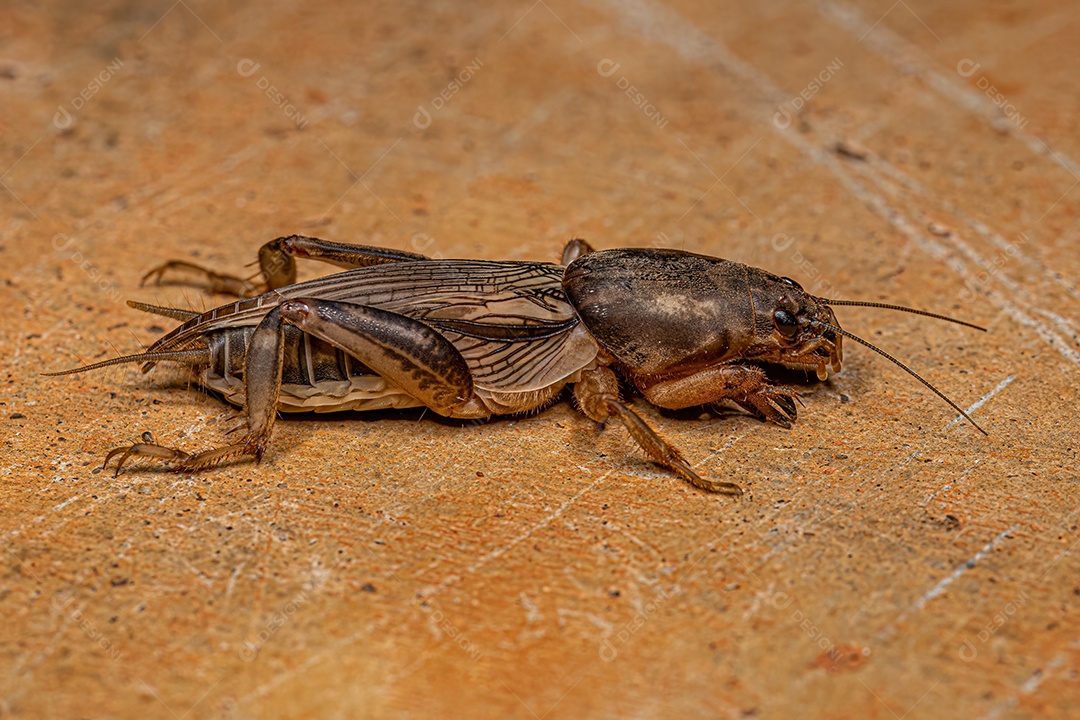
pixel 575 249
pixel 597 393
pixel 262 384
pixel 404 351
pixel 143 450
pixel 199 276
pixel 747 386
pixel 277 265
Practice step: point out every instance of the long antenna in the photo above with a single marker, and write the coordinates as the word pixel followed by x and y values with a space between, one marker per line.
pixel 901 308
pixel 906 369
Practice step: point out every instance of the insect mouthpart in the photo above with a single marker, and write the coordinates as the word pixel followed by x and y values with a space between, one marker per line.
pixel 819 354
pixel 812 344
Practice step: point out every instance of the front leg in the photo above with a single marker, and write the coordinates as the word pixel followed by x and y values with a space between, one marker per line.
pixel 745 385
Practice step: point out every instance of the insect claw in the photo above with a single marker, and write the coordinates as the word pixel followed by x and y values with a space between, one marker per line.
pixel 125 450
pixel 720 488
pixel 211 281
pixel 158 271
pixel 771 404
pixel 714 486
pixel 143 450
pixel 786 404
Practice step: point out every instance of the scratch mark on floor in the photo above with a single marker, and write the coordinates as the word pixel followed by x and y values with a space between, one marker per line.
pixel 948 486
pixel 61 506
pixel 955 575
pixel 497 552
pixel 1029 686
pixel 982 401
pixel 333 650
pixel 905 57
pixel 696 45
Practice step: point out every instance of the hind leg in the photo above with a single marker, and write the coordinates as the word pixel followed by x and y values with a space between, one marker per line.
pixel 405 352
pixel 277 265
pixel 262 385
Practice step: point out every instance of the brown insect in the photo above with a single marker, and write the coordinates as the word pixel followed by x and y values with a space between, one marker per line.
pixel 476 338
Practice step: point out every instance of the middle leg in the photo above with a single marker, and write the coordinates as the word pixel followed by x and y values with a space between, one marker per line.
pixel 597 393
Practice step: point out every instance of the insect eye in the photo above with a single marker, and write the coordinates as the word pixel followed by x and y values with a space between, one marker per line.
pixel 792 283
pixel 786 323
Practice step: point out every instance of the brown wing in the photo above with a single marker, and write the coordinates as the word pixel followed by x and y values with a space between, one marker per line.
pixel 511 321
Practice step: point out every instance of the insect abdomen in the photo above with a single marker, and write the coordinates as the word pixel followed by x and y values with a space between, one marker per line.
pixel 316 376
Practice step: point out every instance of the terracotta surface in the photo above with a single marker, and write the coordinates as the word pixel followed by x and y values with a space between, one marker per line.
pixel 886 561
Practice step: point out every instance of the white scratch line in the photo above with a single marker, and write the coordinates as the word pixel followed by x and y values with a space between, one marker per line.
pixel 910 60
pixel 1028 687
pixel 948 486
pixel 61 506
pixel 982 401
pixel 539 526
pixel 332 651
pixel 940 587
pixel 896 217
pixel 657 22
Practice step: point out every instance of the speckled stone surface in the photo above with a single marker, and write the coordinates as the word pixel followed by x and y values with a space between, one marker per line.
pixel 885 562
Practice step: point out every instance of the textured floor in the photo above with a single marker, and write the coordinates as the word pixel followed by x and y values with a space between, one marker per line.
pixel 886 561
